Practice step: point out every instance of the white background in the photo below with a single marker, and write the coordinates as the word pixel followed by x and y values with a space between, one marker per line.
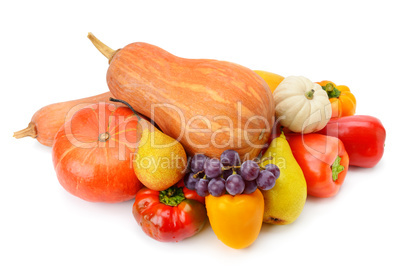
pixel 47 58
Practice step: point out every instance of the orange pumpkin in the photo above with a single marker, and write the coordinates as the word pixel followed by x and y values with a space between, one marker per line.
pixel 343 102
pixel 92 154
pixel 207 105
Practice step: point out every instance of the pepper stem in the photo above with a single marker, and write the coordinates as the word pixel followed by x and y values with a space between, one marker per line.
pixel 172 196
pixel 310 94
pixel 104 49
pixel 331 90
pixel 29 131
pixel 336 168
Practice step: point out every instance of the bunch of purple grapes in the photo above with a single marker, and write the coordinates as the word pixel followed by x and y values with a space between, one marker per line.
pixel 228 175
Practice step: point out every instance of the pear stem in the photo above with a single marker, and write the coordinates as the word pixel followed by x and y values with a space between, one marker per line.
pixel 134 111
pixel 128 105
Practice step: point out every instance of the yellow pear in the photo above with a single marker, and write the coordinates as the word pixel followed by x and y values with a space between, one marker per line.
pixel 160 161
pixel 285 201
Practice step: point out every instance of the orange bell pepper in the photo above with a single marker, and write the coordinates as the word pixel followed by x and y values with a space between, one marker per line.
pixel 236 220
pixel 343 102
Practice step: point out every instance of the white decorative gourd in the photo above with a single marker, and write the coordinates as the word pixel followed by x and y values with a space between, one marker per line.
pixel 301 105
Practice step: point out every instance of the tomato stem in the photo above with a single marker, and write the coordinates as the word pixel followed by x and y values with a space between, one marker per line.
pixel 336 168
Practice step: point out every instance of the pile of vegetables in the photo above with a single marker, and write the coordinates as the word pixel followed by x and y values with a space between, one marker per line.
pixel 248 146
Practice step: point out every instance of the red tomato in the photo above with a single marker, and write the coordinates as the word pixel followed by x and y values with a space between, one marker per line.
pixel 168 216
pixel 92 154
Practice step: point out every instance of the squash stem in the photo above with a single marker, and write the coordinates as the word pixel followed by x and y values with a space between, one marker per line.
pixel 104 49
pixel 30 131
pixel 310 94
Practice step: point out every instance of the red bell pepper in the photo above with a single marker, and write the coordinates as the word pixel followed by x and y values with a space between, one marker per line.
pixel 363 137
pixel 324 162
pixel 168 216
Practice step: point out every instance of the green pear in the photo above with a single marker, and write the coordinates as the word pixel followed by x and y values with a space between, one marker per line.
pixel 285 201
pixel 160 161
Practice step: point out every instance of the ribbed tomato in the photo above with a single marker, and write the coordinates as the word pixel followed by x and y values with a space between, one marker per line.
pixel 92 154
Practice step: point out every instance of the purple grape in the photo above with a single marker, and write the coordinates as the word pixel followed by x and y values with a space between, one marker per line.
pixel 201 187
pixel 197 163
pixel 274 169
pixel 230 158
pixel 235 184
pixel 216 186
pixel 213 168
pixel 227 173
pixel 190 180
pixel 249 170
pixel 266 180
pixel 250 187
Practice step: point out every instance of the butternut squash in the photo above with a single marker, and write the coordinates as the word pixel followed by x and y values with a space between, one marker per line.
pixel 208 105
pixel 47 121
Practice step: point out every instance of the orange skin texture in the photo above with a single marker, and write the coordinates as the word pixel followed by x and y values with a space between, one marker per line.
pixel 95 170
pixel 236 220
pixel 48 120
pixel 143 75
pixel 315 153
pixel 345 104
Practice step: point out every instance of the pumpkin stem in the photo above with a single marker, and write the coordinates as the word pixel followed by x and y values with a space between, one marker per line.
pixel 104 137
pixel 29 131
pixel 310 94
pixel 104 49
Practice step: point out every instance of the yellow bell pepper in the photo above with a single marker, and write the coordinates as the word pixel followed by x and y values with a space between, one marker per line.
pixel 343 102
pixel 236 220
